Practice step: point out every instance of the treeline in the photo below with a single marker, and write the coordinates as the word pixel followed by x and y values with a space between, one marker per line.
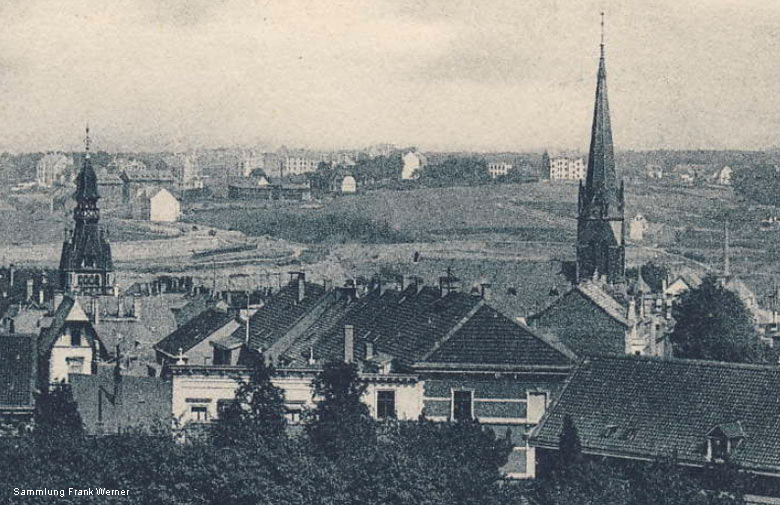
pixel 338 456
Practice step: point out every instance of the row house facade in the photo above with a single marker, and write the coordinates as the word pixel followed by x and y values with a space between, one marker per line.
pixel 421 350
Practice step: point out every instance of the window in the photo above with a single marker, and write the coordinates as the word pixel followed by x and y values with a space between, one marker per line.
pixel 200 413
pixel 75 337
pixel 537 404
pixel 385 404
pixel 223 406
pixel 461 405
pixel 75 365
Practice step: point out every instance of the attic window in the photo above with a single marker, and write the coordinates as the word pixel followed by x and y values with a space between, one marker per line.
pixel 723 439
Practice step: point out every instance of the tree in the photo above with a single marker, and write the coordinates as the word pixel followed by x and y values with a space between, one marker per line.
pixel 758 184
pixel 341 422
pixel 56 412
pixel 569 446
pixel 712 323
pixel 256 414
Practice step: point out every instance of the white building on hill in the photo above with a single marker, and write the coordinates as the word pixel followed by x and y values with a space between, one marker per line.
pixel 567 169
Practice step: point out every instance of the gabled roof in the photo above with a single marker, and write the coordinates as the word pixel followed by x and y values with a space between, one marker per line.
pixel 600 298
pixel 280 313
pixel 654 407
pixel 487 337
pixel 50 334
pixel 17 371
pixel 194 331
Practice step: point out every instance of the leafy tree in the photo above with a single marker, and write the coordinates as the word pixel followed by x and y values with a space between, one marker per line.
pixel 56 412
pixel 712 323
pixel 256 414
pixel 341 422
pixel 569 446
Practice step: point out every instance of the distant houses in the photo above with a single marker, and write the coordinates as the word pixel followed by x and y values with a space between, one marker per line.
pixel 413 162
pixel 562 168
pixel 157 205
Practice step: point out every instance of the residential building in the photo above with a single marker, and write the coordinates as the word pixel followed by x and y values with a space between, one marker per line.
pixel 85 263
pixel 344 184
pixel 699 412
pixel 193 338
pixel 723 176
pixel 18 374
pixel 270 188
pixel 499 169
pixel 421 350
pixel 141 183
pixel 68 345
pixel 185 171
pixel 52 169
pixel 109 402
pixel 653 171
pixel 637 228
pixel 299 164
pixel 413 163
pixel 567 169
pixel 157 206
pixel 601 241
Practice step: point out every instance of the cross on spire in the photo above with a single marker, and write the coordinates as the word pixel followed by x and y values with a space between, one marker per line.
pixel 602 34
pixel 87 141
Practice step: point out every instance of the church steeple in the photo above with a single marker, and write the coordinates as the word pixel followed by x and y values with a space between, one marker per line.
pixel 600 225
pixel 85 264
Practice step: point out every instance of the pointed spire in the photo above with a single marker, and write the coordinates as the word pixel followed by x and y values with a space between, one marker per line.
pixel 601 187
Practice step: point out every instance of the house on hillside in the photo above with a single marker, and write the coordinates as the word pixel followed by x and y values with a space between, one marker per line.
pixel 156 205
pixel 637 228
pixel 701 412
pixel 723 176
pixel 413 163
pixel 343 184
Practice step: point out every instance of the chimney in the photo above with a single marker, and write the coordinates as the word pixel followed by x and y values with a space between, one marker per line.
pixel 11 274
pixel 95 311
pixel 349 343
pixel 485 290
pixel 631 315
pixel 41 296
pixel 30 290
pixel 327 284
pixel 369 350
pixel 301 286
pixel 400 282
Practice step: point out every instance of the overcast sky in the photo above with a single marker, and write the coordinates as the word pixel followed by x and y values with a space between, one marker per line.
pixel 455 74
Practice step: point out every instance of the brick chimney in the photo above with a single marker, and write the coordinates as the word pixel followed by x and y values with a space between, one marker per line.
pixel 349 343
pixel 301 287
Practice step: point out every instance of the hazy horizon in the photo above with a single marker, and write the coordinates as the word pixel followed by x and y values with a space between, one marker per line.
pixel 458 75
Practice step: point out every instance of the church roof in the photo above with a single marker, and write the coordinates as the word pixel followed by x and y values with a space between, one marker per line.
pixel 86 182
pixel 601 185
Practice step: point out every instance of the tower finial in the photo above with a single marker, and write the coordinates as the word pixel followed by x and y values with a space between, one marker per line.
pixel 86 141
pixel 602 34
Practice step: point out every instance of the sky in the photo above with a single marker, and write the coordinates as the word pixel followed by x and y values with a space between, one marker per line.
pixel 481 75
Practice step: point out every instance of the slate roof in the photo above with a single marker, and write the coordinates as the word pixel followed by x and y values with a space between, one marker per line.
pixel 280 313
pixel 489 337
pixel 599 297
pixel 17 371
pixel 649 407
pixel 193 331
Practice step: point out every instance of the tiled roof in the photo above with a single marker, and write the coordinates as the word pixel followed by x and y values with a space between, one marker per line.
pixel 649 407
pixel 50 334
pixel 489 337
pixel 193 331
pixel 601 298
pixel 17 371
pixel 280 313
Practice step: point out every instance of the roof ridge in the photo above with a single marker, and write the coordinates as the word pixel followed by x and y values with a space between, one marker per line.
pixel 680 361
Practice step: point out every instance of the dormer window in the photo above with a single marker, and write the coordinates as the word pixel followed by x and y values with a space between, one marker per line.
pixel 723 440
